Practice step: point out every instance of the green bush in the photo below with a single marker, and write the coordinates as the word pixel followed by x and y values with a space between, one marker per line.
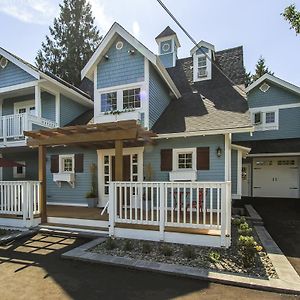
pixel 214 256
pixel 146 248
pixel 247 247
pixel 189 252
pixel 244 229
pixel 110 244
pixel 239 221
pixel 166 250
pixel 128 246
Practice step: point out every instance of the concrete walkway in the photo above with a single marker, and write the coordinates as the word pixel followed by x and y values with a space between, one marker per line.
pixel 31 268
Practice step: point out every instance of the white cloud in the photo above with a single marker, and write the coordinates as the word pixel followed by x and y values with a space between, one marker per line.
pixel 103 20
pixel 136 29
pixel 30 11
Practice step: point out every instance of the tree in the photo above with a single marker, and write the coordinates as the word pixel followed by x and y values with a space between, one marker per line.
pixel 260 70
pixel 292 15
pixel 73 39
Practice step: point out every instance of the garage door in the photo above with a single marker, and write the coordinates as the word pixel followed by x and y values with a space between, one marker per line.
pixel 276 177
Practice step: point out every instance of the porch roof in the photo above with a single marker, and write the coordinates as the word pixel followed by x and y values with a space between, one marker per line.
pixel 87 135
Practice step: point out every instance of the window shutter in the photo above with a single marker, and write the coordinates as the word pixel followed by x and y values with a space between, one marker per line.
pixel 79 163
pixel 166 159
pixel 203 158
pixel 54 164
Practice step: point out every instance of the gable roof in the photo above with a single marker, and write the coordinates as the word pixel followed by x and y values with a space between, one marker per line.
pixel 37 74
pixel 106 42
pixel 166 32
pixel 209 105
pixel 277 81
pixel 202 44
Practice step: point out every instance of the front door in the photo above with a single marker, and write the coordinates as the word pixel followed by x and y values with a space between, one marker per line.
pixel 132 169
pixel 246 180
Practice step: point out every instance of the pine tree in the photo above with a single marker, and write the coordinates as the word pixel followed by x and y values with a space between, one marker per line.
pixel 292 15
pixel 73 39
pixel 260 69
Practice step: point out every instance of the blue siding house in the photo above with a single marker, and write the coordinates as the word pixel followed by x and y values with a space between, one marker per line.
pixel 272 167
pixel 155 148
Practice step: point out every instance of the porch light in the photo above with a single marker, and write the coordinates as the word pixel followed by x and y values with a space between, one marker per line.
pixel 219 151
pixel 106 57
pixel 131 52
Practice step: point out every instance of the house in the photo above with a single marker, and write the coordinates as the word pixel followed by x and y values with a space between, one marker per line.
pixel 272 167
pixel 158 143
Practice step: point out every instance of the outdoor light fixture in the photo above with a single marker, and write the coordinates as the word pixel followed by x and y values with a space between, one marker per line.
pixel 219 151
pixel 131 52
pixel 106 57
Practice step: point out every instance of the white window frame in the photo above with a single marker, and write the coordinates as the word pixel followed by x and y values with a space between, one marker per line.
pixel 176 153
pixel 123 98
pixel 196 67
pixel 18 175
pixel 24 104
pixel 262 126
pixel 61 165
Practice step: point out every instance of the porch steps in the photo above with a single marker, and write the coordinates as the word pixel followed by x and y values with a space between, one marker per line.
pixel 75 229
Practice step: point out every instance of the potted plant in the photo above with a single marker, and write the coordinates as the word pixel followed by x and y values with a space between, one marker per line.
pixel 92 195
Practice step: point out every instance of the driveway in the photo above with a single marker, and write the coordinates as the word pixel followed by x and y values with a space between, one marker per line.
pixel 282 219
pixel 31 268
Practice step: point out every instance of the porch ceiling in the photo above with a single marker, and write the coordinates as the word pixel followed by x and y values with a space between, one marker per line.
pixel 89 135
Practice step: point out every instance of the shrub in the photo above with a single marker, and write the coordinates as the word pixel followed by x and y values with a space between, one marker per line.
pixel 247 247
pixel 189 252
pixel 214 256
pixel 258 248
pixel 239 221
pixel 166 250
pixel 128 246
pixel 244 229
pixel 146 248
pixel 110 244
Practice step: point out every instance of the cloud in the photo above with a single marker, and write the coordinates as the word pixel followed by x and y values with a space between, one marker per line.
pixel 136 29
pixel 30 11
pixel 103 20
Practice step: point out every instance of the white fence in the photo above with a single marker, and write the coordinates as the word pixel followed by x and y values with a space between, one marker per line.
pixel 12 126
pixel 172 206
pixel 19 199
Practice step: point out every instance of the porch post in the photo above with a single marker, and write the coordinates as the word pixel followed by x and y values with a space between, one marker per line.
pixel 37 101
pixel 42 180
pixel 119 160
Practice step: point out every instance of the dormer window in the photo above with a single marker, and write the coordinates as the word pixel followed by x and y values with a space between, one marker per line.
pixel 202 66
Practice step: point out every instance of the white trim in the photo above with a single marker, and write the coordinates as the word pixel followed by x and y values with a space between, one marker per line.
pixel 57 109
pixel 204 44
pixel 236 196
pixel 106 42
pixel 203 133
pixel 20 64
pixel 274 107
pixel 147 92
pixel 77 222
pixel 23 174
pixel 239 147
pixel 120 87
pixel 169 37
pixel 227 165
pixel 263 125
pixel 274 154
pixel 68 204
pixel 208 66
pixel 275 80
pixel 23 104
pixel 66 156
pixel 176 152
pixel 239 173
pixel 1 169
pixel 38 101
pixel 19 86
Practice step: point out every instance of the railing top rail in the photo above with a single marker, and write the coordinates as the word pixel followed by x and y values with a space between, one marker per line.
pixel 170 182
pixel 18 182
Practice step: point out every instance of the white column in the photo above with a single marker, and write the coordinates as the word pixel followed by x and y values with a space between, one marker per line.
pixel 239 173
pixel 57 109
pixel 37 101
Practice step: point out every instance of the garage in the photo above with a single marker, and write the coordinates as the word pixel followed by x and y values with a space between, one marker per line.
pixel 276 177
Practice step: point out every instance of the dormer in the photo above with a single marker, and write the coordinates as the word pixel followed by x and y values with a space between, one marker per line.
pixel 168 44
pixel 202 55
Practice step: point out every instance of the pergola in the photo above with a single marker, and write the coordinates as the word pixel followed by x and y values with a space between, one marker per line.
pixel 106 135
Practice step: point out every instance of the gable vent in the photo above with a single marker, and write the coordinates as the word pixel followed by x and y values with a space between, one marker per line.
pixel 3 62
pixel 264 87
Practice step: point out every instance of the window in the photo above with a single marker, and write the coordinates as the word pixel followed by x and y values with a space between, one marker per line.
pixel 257 118
pixel 132 98
pixel 202 66
pixel 66 164
pixel 109 102
pixel 185 160
pixel 270 117
pixel 20 171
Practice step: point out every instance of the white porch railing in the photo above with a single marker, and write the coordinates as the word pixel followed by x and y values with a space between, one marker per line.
pixel 19 199
pixel 12 126
pixel 190 205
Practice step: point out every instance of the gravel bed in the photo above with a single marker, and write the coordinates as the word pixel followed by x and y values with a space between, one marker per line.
pixel 230 259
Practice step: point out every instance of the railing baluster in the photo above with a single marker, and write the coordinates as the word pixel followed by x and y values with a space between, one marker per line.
pixel 211 206
pixel 204 206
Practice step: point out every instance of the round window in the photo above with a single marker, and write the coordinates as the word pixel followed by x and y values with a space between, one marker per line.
pixel 166 47
pixel 119 45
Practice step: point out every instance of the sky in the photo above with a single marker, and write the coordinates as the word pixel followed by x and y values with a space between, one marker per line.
pixel 256 25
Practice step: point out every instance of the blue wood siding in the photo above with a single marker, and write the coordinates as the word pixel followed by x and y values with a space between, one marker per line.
pixel 159 96
pixel 274 96
pixel 69 110
pixel 12 75
pixel 234 157
pixel 217 165
pixel 121 67
pixel 289 127
pixel 48 106
pixel 65 193
pixel 167 60
pixel 8 103
pixel 30 158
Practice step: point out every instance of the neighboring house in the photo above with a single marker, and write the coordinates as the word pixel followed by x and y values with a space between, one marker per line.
pixel 272 167
pixel 178 163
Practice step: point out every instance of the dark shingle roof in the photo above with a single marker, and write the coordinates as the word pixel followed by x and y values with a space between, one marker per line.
pixel 272 146
pixel 166 32
pixel 210 104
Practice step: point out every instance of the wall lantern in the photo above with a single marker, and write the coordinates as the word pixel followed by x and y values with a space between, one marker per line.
pixel 106 57
pixel 131 52
pixel 219 151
